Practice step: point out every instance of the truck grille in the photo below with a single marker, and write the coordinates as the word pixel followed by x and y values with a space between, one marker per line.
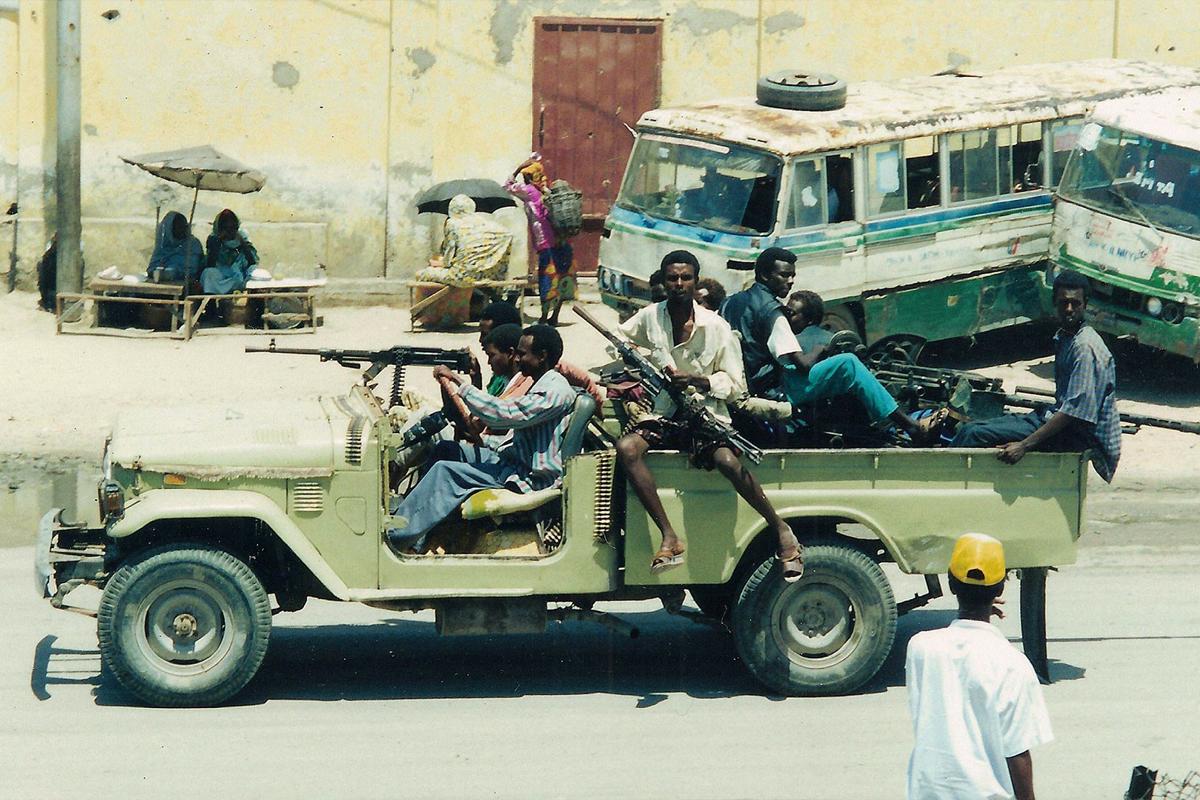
pixel 308 497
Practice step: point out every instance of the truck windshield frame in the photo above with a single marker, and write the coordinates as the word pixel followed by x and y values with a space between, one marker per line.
pixel 718 186
pixel 1137 178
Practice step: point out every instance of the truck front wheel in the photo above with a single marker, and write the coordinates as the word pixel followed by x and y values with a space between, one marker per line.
pixel 829 633
pixel 184 627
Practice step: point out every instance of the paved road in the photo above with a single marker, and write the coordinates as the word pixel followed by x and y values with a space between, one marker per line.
pixel 357 702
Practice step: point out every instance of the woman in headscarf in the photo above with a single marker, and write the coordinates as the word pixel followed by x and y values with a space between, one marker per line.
pixel 474 247
pixel 177 253
pixel 555 258
pixel 231 256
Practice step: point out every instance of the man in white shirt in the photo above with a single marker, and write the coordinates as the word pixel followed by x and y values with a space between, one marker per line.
pixel 976 704
pixel 695 349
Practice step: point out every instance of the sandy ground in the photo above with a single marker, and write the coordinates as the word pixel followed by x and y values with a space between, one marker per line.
pixel 62 393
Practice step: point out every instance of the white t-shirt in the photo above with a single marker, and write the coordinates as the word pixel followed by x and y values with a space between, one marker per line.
pixel 782 341
pixel 975 701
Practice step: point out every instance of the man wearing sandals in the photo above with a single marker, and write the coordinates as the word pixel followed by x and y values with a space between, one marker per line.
pixel 775 359
pixel 696 350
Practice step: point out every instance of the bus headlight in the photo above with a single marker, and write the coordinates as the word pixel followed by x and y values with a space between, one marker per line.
pixel 1154 306
pixel 1172 312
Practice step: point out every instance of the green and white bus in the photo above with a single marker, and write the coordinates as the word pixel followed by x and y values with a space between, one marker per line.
pixel 920 210
pixel 1127 215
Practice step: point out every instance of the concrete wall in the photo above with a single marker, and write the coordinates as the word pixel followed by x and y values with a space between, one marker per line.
pixel 351 107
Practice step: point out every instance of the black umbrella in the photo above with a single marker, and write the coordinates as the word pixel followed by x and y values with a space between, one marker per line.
pixel 487 194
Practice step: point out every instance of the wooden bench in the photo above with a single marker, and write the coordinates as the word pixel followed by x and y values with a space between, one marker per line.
pixel 441 290
pixel 182 314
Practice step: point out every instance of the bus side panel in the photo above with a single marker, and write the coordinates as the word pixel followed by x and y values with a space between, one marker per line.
pixel 959 308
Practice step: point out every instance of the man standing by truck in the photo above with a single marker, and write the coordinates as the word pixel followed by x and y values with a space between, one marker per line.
pixel 1084 415
pixel 977 708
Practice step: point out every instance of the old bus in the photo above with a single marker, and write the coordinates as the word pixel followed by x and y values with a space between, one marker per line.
pixel 919 211
pixel 1127 215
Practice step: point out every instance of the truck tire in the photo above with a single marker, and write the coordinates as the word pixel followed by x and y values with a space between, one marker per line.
pixel 184 627
pixel 829 633
pixel 798 90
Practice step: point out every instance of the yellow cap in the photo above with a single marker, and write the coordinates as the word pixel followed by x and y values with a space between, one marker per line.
pixel 977 559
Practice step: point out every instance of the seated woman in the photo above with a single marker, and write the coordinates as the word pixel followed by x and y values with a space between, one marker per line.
pixel 177 253
pixel 474 247
pixel 231 256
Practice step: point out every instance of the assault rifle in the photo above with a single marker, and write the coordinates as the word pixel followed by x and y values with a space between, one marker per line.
pixel 398 357
pixel 690 405
pixel 1132 422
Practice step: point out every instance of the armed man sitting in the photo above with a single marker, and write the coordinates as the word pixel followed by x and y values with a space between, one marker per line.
pixel 775 360
pixel 531 460
pixel 695 349
pixel 1084 415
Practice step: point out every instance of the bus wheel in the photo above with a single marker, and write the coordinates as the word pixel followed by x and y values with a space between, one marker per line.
pixel 799 90
pixel 829 633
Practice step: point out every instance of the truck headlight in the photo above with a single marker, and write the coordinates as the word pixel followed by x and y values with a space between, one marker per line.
pixel 112 500
pixel 1154 306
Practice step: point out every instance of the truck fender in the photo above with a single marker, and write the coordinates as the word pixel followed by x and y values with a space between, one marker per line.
pixel 801 512
pixel 167 504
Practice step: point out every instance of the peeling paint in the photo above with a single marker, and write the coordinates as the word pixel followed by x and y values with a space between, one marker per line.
pixel 782 22
pixel 508 20
pixel 285 75
pixel 409 171
pixel 422 60
pixel 957 59
pixel 90 130
pixel 703 21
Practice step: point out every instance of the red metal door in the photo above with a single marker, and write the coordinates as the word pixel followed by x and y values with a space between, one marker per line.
pixel 591 79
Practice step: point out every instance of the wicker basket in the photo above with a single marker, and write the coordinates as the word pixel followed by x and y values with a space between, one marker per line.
pixel 565 206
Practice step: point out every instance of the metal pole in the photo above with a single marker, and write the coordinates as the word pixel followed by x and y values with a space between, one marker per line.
pixel 70 260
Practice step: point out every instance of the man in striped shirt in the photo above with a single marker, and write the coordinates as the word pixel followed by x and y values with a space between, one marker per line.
pixel 530 461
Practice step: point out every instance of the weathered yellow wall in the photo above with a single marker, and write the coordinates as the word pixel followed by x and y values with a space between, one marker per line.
pixel 351 107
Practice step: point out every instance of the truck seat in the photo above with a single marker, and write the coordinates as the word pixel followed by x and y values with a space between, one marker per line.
pixel 496 503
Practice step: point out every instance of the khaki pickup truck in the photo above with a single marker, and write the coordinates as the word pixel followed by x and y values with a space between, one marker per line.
pixel 215 518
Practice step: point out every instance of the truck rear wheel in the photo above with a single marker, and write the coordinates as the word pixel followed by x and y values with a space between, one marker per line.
pixel 184 627
pixel 829 633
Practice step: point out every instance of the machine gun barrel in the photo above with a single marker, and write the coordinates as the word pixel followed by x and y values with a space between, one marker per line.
pixel 398 357
pixel 656 382
pixel 1134 420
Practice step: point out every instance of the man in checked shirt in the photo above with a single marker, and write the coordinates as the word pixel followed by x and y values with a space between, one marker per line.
pixel 530 461
pixel 1084 415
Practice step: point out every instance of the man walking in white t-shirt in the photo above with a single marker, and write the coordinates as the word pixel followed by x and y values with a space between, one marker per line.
pixel 976 704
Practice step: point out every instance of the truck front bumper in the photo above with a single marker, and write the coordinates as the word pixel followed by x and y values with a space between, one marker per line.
pixel 67 556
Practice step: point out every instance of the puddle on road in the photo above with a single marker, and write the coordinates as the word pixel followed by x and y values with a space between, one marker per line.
pixel 29 487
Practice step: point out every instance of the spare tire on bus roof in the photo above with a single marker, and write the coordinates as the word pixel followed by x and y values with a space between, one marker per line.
pixel 799 90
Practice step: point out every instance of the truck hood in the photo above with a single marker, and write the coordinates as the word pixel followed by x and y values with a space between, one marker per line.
pixel 266 439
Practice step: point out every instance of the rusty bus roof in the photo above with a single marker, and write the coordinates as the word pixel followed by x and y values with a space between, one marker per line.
pixel 879 111
pixel 1172 116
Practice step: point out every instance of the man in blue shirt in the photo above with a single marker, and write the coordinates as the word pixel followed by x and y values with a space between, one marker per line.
pixel 530 461
pixel 1084 415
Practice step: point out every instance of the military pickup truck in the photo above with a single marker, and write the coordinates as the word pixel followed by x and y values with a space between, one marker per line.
pixel 213 519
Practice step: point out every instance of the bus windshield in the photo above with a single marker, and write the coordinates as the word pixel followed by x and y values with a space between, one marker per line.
pixel 1137 178
pixel 717 186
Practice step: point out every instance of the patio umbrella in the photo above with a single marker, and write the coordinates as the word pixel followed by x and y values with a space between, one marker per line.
pixel 487 194
pixel 202 167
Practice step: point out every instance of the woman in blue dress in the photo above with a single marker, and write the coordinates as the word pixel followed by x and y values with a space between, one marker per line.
pixel 177 254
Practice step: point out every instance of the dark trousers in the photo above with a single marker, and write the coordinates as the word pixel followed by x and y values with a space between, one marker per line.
pixel 1015 427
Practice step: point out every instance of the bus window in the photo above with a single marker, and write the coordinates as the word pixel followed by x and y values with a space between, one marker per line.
pixel 973 165
pixel 822 191
pixel 808 194
pixel 1026 158
pixel 1063 134
pixel 839 177
pixel 921 167
pixel 885 184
